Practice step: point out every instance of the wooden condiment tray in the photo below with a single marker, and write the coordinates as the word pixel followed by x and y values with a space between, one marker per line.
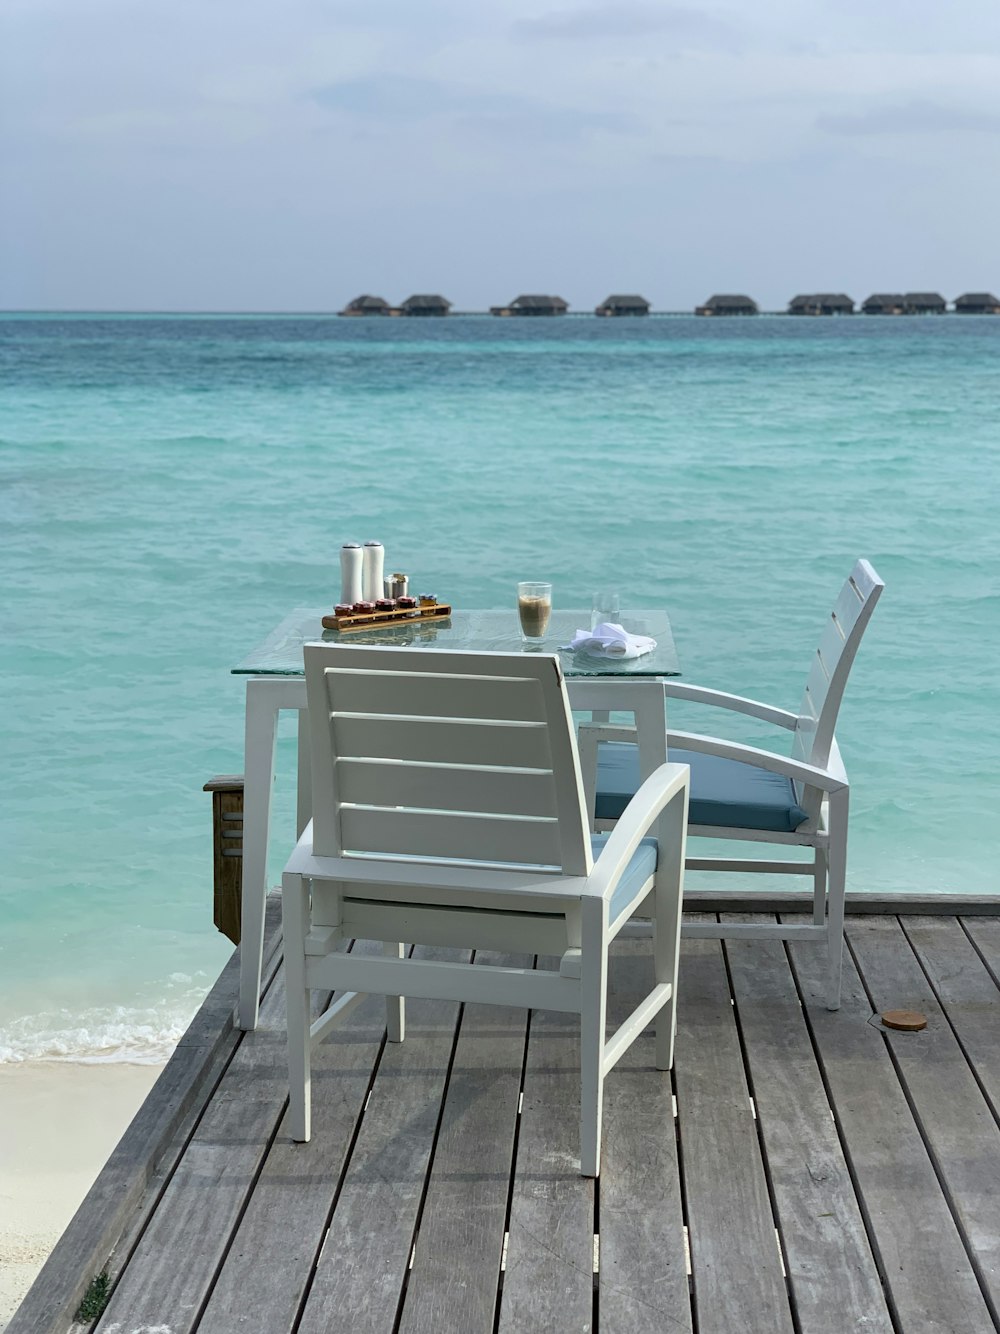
pixel 372 620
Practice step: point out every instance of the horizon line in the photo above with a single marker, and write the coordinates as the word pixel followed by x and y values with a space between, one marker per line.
pixel 451 314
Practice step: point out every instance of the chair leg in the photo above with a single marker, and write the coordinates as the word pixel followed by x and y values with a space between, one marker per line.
pixel 294 911
pixel 668 888
pixel 821 873
pixel 837 876
pixel 593 1027
pixel 395 1006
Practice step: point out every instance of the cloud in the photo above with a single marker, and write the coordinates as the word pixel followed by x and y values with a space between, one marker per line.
pixel 912 118
pixel 550 124
pixel 391 96
pixel 396 98
pixel 627 20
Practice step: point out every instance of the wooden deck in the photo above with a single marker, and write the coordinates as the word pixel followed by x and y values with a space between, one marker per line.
pixel 800 1171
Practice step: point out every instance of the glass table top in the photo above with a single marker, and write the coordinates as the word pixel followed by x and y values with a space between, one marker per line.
pixel 280 654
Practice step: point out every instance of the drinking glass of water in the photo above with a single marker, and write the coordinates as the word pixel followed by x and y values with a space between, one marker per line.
pixel 606 606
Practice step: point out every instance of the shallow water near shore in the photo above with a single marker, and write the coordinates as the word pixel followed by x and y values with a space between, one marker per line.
pixel 170 487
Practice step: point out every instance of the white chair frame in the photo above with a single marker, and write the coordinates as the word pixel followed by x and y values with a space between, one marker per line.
pixel 814 766
pixel 427 769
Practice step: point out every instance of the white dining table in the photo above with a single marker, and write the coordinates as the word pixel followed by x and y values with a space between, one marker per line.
pixel 275 682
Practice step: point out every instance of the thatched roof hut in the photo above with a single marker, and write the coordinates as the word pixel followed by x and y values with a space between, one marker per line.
pixel 425 305
pixel 977 303
pixel 623 305
pixel 885 303
pixel 533 305
pixel 367 305
pixel 821 303
pixel 728 305
pixel 925 303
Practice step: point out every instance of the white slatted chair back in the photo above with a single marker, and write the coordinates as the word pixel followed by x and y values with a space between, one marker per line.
pixel 831 666
pixel 446 757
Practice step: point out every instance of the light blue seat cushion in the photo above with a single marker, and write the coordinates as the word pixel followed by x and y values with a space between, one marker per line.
pixel 638 871
pixel 723 792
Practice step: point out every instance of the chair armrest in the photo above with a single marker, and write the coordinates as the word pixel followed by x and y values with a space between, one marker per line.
pixel 828 780
pixel 666 784
pixel 734 703
pixel 835 763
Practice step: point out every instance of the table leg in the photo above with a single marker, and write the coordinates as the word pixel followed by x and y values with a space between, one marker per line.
pixel 266 697
pixel 303 807
pixel 258 784
pixel 644 698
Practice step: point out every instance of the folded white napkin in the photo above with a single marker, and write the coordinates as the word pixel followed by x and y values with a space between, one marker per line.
pixel 611 641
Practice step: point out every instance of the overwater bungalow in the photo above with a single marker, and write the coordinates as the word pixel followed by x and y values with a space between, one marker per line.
pixel 925 303
pixel 728 305
pixel 821 303
pixel 885 303
pixel 367 305
pixel 425 305
pixel 977 303
pixel 533 305
pixel 623 305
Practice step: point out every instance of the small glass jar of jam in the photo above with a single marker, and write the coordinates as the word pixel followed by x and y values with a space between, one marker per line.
pixel 428 600
pixel 385 604
pixel 412 605
pixel 361 607
pixel 343 609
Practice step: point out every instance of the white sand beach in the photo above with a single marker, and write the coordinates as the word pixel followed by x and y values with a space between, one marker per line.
pixel 58 1125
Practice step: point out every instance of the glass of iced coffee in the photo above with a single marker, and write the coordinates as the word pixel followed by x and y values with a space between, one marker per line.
pixel 534 608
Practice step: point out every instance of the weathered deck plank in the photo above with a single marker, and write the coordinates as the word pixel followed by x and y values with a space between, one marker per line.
pixel 643 1281
pixel 930 1283
pixel 170 1276
pixel 549 1279
pixel 835 1283
pixel 456 1264
pixel 955 1119
pixel 738 1282
pixel 291 1202
pixel 984 932
pixel 966 992
pixel 361 1272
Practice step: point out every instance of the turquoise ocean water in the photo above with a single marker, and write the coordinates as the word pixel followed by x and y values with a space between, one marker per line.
pixel 170 487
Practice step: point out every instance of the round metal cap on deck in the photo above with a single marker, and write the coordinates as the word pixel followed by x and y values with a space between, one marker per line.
pixel 907 1021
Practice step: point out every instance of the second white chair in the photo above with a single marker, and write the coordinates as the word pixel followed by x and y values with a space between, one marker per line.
pixel 745 793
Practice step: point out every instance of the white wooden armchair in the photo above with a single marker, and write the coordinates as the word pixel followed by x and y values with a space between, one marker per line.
pixel 449 810
pixel 742 792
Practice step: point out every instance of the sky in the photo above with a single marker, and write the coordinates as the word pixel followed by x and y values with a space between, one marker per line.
pixel 292 154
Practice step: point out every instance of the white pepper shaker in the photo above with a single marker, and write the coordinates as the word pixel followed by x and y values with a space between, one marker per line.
pixel 351 571
pixel 371 578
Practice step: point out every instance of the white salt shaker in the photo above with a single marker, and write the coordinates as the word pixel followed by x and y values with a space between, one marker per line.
pixel 351 570
pixel 371 579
